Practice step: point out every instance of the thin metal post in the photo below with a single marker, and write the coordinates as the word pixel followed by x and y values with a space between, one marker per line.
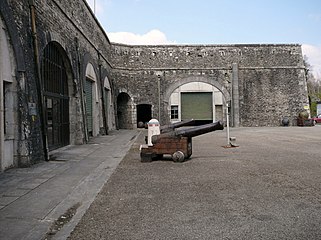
pixel 159 98
pixel 227 125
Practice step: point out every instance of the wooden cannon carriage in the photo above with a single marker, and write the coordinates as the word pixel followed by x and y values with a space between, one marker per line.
pixel 176 142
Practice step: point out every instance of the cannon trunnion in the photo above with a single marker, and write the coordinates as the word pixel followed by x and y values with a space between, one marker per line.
pixel 177 143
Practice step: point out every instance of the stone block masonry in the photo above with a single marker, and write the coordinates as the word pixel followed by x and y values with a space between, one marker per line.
pixel 269 78
pixel 261 83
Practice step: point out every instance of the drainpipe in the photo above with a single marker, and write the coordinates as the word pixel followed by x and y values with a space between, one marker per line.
pixel 38 78
pixel 102 96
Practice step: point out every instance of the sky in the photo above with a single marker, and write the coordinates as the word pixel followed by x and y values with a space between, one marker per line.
pixel 214 22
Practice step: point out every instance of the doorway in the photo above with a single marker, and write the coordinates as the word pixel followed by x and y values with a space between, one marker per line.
pixel 124 112
pixel 144 114
pixel 56 98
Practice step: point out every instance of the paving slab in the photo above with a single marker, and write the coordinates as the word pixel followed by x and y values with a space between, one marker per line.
pixel 33 199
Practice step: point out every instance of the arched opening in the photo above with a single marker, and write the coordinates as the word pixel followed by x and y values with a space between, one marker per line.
pixel 56 97
pixel 91 97
pixel 196 100
pixel 124 113
pixel 173 110
pixel 144 114
pixel 8 97
pixel 107 102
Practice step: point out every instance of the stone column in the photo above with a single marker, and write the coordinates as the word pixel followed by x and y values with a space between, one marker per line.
pixel 235 96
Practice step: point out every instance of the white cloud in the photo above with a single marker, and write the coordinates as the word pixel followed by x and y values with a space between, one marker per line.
pixel 314 58
pixel 97 6
pixel 153 37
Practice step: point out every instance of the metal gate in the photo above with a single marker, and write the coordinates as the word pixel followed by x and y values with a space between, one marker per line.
pixel 56 99
pixel 196 105
pixel 89 106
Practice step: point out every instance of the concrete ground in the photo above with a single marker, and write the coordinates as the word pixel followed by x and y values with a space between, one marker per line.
pixel 267 188
pixel 47 200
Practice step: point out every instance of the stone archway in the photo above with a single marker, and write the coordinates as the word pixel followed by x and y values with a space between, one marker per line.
pixel 8 94
pixel 91 97
pixel 56 83
pixel 124 111
pixel 107 103
pixel 216 84
pixel 196 100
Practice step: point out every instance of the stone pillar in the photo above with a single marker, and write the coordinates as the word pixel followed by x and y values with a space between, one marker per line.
pixel 235 96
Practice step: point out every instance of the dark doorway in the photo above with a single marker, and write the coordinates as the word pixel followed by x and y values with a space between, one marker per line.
pixel 144 114
pixel 124 115
pixel 56 99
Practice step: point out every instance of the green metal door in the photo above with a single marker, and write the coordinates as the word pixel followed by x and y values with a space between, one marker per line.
pixel 196 105
pixel 106 101
pixel 89 106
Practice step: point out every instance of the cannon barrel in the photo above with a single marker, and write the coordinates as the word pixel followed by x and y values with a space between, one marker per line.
pixel 190 132
pixel 171 127
pixel 199 130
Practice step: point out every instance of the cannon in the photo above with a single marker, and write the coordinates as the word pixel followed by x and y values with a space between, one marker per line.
pixel 177 143
pixel 173 126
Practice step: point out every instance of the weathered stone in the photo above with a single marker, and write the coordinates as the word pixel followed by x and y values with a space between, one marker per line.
pixel 269 80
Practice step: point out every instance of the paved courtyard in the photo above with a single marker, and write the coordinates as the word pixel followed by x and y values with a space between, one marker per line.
pixel 267 188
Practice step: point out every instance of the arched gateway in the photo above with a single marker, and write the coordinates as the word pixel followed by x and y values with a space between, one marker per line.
pixel 211 98
pixel 56 98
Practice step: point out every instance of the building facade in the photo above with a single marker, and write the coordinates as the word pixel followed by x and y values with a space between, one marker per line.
pixel 62 81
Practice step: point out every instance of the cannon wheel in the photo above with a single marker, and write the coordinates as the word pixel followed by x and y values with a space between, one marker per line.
pixel 178 156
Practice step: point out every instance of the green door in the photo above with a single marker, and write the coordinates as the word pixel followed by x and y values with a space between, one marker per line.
pixel 106 101
pixel 89 106
pixel 196 105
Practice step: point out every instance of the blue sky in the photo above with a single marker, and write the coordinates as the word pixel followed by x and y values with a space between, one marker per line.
pixel 214 22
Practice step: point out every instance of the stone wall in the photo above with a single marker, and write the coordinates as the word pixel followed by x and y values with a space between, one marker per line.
pixel 72 26
pixel 206 56
pixel 261 83
pixel 270 78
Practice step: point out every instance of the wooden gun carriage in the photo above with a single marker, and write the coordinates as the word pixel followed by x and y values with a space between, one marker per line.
pixel 176 142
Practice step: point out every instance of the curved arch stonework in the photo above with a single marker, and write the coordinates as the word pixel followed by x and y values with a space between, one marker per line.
pixel 92 100
pixel 203 79
pixel 11 27
pixel 55 37
pixel 126 114
pixel 8 95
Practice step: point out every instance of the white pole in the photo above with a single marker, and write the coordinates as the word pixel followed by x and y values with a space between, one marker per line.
pixel 227 125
